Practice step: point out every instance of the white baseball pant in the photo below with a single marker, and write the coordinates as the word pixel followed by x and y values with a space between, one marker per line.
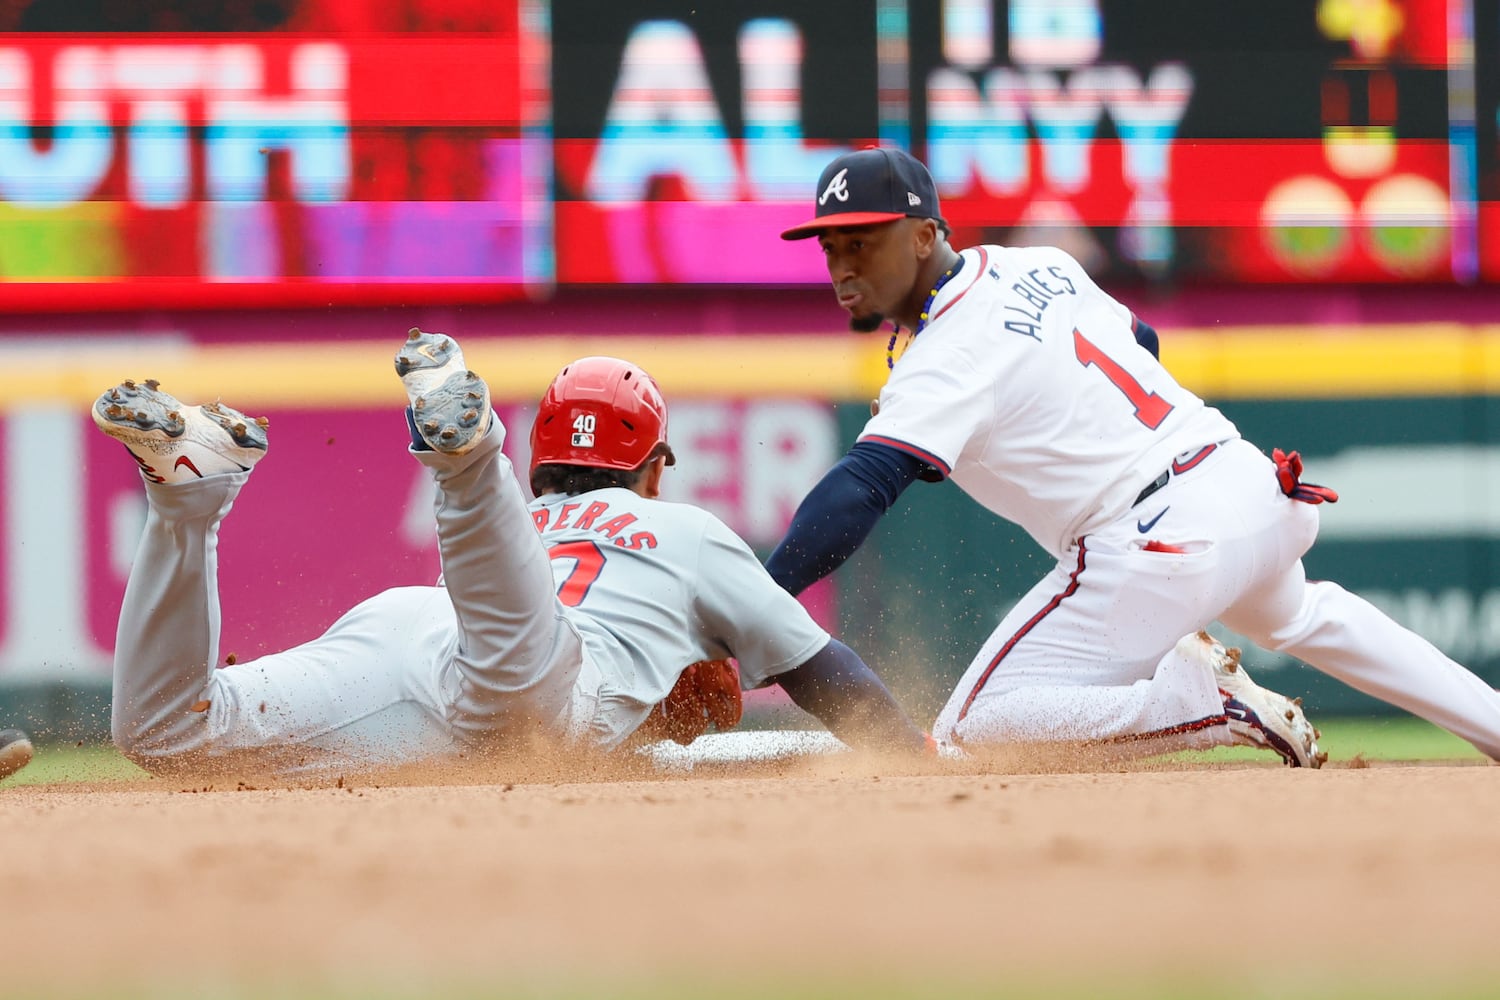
pixel 1088 653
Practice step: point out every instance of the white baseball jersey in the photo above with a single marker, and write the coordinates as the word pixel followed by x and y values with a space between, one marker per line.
pixel 1027 387
pixel 654 586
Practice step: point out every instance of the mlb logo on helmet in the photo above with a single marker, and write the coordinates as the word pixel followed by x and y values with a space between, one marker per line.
pixel 868 187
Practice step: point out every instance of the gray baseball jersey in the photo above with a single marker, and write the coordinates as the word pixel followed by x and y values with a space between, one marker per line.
pixel 654 586
pixel 577 632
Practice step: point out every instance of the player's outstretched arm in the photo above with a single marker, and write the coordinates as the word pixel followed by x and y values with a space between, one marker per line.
pixel 841 690
pixel 1146 336
pixel 837 515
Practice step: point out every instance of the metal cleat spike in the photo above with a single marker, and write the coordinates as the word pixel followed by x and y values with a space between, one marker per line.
pixel 115 394
pixel 142 417
pixel 129 384
pixel 430 427
pixel 1317 734
pixel 421 403
pixel 1297 701
pixel 263 422
pixel 239 429
pixel 1322 757
pixel 1291 716
pixel 114 410
pixel 153 384
pixel 449 433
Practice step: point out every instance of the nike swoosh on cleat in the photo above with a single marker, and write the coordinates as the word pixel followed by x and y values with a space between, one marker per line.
pixel 183 460
pixel 1145 526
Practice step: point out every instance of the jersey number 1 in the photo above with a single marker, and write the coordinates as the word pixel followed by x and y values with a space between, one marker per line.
pixel 588 561
pixel 1150 409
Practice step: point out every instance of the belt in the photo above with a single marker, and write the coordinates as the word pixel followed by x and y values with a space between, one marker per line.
pixel 1185 462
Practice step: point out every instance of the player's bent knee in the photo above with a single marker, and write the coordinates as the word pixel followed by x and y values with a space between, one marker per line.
pixel 1312 622
pixel 135 745
pixel 980 729
pixel 152 745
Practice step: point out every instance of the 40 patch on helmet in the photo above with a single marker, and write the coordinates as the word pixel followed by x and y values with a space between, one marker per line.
pixel 600 412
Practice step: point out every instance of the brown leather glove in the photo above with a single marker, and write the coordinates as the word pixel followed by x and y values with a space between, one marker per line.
pixel 706 694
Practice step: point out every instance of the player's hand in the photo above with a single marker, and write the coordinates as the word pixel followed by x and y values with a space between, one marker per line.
pixel 706 694
pixel 1289 475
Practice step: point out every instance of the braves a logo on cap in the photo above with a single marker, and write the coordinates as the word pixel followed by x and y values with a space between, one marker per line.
pixel 838 187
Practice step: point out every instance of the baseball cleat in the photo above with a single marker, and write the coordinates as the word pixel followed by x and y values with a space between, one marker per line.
pixel 427 360
pixel 1258 717
pixel 174 443
pixel 450 405
pixel 15 752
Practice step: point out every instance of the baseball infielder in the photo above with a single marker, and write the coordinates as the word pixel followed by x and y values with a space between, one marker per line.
pixel 566 621
pixel 1042 398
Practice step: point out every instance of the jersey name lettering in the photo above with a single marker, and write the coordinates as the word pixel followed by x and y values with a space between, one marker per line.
pixel 1036 293
pixel 588 520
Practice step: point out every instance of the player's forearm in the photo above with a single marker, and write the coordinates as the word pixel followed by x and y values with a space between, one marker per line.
pixel 838 514
pixel 1146 336
pixel 825 532
pixel 843 692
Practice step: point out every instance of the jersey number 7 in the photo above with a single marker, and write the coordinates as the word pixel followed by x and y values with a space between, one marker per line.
pixel 1150 409
pixel 588 563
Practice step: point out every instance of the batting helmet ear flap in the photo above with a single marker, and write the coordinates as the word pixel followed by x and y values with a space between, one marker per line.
pixel 603 413
pixel 663 450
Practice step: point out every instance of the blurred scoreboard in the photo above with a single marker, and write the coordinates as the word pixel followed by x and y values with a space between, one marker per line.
pixel 1280 140
pixel 453 150
pixel 328 161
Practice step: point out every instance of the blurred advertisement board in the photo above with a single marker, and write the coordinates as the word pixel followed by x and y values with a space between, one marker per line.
pixel 332 153
pixel 1247 142
pixel 324 161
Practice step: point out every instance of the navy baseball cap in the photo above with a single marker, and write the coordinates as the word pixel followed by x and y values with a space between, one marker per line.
pixel 870 186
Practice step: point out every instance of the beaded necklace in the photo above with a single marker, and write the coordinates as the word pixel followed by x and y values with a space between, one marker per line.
pixel 890 348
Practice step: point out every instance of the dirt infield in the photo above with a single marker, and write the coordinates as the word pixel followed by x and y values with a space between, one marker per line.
pixel 1240 875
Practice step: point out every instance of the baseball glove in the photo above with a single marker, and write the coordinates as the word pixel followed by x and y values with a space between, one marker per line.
pixel 1289 477
pixel 706 694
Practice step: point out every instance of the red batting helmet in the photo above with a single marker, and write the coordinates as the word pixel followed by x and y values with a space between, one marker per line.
pixel 599 412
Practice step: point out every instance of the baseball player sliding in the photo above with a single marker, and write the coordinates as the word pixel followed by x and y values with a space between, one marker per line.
pixel 567 620
pixel 1043 399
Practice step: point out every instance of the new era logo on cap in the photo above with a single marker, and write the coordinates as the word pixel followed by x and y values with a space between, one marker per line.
pixel 870 186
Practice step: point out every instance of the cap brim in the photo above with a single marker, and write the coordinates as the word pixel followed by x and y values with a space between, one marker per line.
pixel 815 226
